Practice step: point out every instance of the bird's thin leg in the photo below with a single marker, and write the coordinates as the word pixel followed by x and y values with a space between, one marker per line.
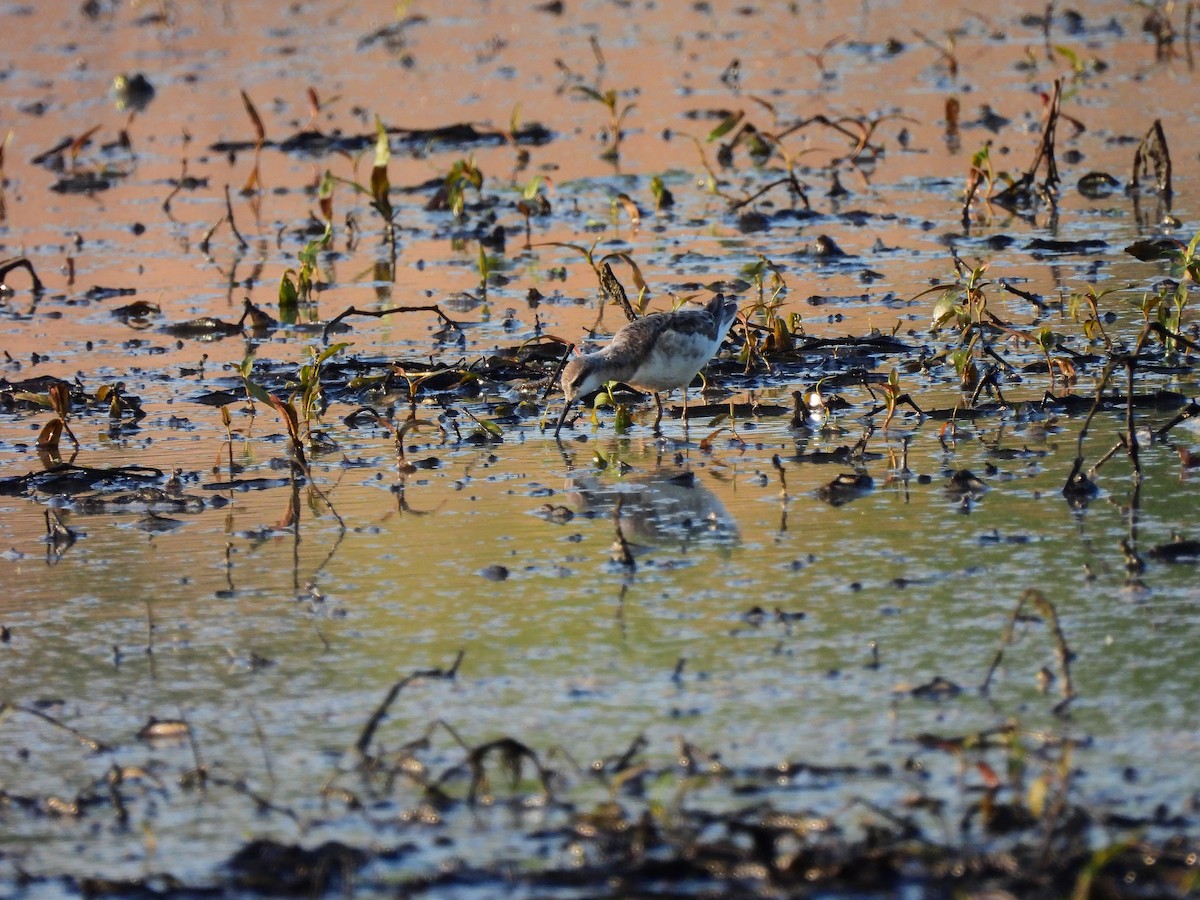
pixel 685 412
pixel 658 418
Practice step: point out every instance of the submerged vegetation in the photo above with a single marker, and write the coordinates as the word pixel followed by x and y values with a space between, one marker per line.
pixel 753 197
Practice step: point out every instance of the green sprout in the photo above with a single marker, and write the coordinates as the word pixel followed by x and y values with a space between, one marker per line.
pixel 609 100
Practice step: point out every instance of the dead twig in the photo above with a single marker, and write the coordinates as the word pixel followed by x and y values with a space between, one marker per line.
pixel 1153 158
pixel 91 743
pixel 368 732
pixel 242 243
pixel 1021 191
pixel 20 262
pixel 1063 653
pixel 380 313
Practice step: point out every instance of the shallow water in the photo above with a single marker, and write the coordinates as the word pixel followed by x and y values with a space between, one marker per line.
pixel 277 640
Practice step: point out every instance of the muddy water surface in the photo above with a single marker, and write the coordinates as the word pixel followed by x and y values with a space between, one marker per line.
pixel 759 622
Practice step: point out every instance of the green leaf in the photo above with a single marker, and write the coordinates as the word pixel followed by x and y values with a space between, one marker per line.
pixel 590 93
pixel 960 359
pixel 604 397
pixel 1192 244
pixel 484 267
pixel 1070 56
pixel 330 352
pixel 258 392
pixel 530 191
pixel 727 125
pixel 383 150
pixel 380 186
pixel 623 419
pixel 754 271
pixel 42 400
pixel 247 364
pixel 1100 859
pixel 289 298
pixel 945 309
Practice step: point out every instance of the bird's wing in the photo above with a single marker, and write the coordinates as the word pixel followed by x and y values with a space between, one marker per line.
pixel 634 342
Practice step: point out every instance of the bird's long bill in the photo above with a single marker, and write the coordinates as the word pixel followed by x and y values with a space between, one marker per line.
pixel 562 418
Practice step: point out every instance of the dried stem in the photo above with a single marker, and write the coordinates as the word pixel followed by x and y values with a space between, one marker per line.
pixel 380 313
pixel 368 732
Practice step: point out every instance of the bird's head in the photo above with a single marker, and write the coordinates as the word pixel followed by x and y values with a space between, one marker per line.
pixel 580 376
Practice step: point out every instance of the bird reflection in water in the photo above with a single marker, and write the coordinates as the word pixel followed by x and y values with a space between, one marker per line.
pixel 665 507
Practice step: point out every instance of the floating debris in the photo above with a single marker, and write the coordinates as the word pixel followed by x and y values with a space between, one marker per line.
pixel 164 730
pixel 1180 550
pixel 846 487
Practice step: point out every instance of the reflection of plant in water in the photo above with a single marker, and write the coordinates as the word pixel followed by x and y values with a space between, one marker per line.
pixel 300 413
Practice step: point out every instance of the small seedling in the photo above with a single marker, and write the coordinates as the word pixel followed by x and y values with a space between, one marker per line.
pixel 663 198
pixel 295 286
pixel 451 194
pixel 59 400
pixel 616 117
pixel 532 203
pixel 308 392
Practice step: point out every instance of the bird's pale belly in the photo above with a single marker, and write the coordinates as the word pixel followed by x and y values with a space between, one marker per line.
pixel 672 367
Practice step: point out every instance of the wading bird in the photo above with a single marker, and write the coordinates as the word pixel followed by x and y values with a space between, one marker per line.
pixel 658 352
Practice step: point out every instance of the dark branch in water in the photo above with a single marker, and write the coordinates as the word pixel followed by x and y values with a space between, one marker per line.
pixel 1078 484
pixel 90 743
pixel 1023 190
pixel 621 552
pixel 368 732
pixel 380 313
pixel 242 243
pixel 20 262
pixel 1062 651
